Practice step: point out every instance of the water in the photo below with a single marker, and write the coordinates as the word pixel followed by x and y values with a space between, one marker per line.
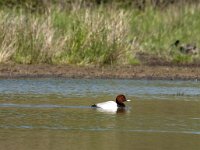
pixel 47 114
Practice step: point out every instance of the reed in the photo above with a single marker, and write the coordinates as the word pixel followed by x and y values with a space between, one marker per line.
pixel 97 36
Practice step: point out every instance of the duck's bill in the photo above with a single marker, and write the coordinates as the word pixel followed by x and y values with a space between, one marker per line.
pixel 128 100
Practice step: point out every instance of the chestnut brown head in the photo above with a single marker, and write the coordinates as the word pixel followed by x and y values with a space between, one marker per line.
pixel 120 99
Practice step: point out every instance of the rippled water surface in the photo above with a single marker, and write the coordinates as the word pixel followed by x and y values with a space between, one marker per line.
pixel 55 114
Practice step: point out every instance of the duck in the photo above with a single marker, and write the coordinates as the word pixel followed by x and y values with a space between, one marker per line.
pixel 186 49
pixel 112 105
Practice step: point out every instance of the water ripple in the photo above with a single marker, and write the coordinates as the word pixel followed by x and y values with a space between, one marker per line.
pixel 101 129
pixel 11 105
pixel 95 87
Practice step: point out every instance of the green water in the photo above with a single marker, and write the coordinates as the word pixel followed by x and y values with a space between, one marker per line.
pixel 54 114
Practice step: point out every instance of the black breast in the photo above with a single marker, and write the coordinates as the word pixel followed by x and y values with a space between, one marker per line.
pixel 120 104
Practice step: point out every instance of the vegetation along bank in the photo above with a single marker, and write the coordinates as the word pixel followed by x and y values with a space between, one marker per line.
pixel 99 34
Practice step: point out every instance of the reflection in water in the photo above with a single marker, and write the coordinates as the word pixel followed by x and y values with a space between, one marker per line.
pixel 113 111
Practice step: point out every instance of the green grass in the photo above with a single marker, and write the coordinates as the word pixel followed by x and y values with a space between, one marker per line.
pixel 157 30
pixel 97 36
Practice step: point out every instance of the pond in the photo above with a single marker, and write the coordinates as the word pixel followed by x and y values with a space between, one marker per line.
pixel 55 114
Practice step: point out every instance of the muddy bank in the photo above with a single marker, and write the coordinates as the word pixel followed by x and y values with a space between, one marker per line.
pixel 121 72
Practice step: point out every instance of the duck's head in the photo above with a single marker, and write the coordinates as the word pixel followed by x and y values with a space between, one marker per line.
pixel 120 99
pixel 176 43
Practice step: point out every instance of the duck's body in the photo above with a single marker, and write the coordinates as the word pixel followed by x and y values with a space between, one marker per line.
pixel 186 49
pixel 112 104
pixel 106 105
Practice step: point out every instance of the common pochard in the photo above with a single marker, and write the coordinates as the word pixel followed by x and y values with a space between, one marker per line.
pixel 112 104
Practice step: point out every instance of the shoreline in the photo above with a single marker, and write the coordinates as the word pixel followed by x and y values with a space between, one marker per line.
pixel 15 71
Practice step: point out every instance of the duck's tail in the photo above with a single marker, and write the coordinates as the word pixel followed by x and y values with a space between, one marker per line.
pixel 94 106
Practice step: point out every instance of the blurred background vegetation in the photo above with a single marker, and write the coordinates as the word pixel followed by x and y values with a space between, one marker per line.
pixel 140 4
pixel 99 32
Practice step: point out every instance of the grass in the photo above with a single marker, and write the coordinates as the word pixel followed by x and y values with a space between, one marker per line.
pixel 97 36
pixel 159 29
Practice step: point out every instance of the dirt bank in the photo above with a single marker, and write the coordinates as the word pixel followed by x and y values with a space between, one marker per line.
pixel 127 72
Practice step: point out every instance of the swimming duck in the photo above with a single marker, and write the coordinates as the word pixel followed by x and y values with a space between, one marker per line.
pixel 112 104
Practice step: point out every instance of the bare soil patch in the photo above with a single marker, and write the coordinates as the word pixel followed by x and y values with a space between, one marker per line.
pixel 120 72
